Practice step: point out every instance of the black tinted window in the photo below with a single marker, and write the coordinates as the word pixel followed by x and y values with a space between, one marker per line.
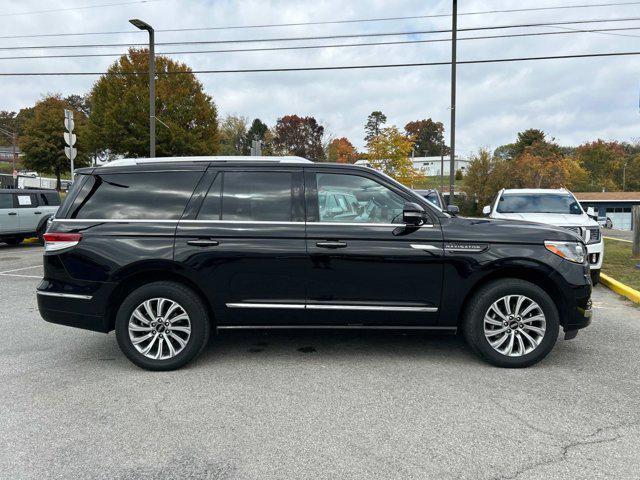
pixel 210 209
pixel 144 195
pixel 6 200
pixel 50 199
pixel 262 196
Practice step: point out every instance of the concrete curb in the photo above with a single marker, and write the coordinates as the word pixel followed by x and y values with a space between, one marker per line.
pixel 620 288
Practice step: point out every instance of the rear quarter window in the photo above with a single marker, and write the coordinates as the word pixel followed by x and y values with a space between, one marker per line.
pixel 135 196
pixel 50 199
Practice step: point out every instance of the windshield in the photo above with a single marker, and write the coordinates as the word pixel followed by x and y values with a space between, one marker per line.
pixel 539 203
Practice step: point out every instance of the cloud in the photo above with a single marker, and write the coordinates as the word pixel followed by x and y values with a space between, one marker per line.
pixel 572 100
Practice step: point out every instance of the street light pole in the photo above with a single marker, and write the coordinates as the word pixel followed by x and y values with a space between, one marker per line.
pixel 152 83
pixel 452 159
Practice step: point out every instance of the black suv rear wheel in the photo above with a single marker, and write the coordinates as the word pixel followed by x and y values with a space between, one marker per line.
pixel 511 323
pixel 162 326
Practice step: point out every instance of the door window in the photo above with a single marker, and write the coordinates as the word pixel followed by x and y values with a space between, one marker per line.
pixel 49 199
pixel 257 196
pixel 6 200
pixel 26 200
pixel 356 199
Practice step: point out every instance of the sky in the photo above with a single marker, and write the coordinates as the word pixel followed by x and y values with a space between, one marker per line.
pixel 572 100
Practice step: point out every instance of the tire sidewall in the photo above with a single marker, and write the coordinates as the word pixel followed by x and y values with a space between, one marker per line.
pixel 188 300
pixel 484 299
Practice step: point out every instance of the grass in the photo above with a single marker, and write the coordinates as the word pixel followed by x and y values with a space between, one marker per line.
pixel 619 264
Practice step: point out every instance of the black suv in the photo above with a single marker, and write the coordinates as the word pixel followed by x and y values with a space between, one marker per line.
pixel 165 250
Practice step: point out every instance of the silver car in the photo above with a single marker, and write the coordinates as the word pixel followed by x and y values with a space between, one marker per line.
pixel 24 213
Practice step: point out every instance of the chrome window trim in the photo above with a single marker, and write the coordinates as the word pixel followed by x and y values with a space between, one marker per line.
pixel 64 295
pixel 111 220
pixel 236 222
pixel 359 224
pixel 313 306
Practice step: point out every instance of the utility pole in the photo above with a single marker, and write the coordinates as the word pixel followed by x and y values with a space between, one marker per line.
pixel 152 83
pixel 442 166
pixel 454 38
pixel 635 218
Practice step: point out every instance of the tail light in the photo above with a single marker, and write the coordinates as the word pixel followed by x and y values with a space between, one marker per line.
pixel 60 241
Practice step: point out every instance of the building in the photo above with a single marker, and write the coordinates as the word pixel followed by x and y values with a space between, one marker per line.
pixel 6 153
pixel 613 205
pixel 431 166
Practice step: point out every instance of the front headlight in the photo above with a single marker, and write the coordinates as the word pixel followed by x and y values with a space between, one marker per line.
pixel 572 251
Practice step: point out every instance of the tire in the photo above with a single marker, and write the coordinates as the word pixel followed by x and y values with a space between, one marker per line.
pixel 189 304
pixel 482 303
pixel 595 277
pixel 40 233
pixel 13 241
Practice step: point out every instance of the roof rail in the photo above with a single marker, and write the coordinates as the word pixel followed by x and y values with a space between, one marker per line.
pixel 229 158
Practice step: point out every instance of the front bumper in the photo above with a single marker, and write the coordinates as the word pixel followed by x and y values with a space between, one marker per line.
pixel 596 254
pixel 581 318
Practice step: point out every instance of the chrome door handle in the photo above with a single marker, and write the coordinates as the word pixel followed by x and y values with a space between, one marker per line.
pixel 203 242
pixel 331 244
pixel 12 213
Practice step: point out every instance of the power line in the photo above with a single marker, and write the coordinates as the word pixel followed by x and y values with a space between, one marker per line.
pixel 325 37
pixel 337 67
pixel 85 7
pixel 331 22
pixel 568 31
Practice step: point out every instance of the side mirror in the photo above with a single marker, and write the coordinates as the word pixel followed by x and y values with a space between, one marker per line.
pixel 486 210
pixel 413 214
pixel 453 209
pixel 592 212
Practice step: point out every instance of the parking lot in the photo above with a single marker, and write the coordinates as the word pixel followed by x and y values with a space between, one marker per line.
pixel 309 405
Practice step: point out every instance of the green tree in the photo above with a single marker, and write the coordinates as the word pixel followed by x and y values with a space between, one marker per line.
pixel 301 136
pixel 604 163
pixel 42 142
pixel 527 138
pixel 258 131
pixel 233 135
pixel 119 120
pixel 374 123
pixel 429 137
pixel 390 152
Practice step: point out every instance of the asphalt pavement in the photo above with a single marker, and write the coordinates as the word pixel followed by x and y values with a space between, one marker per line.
pixel 308 405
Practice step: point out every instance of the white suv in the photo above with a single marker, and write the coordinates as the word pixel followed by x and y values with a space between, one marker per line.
pixel 24 213
pixel 552 207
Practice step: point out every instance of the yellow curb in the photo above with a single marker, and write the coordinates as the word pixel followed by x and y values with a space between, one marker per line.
pixel 618 239
pixel 620 288
pixel 31 240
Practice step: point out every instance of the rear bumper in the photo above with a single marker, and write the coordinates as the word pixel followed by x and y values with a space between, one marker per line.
pixel 82 308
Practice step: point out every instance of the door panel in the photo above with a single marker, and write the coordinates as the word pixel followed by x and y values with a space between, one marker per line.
pixel 28 212
pixel 247 246
pixel 366 271
pixel 8 214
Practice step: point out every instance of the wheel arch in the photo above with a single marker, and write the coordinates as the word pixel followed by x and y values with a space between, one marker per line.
pixel 537 276
pixel 129 281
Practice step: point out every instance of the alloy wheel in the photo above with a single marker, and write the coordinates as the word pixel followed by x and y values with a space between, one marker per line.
pixel 159 328
pixel 514 325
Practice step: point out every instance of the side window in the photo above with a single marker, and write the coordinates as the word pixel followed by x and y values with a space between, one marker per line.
pixel 359 200
pixel 26 200
pixel 6 200
pixel 49 199
pixel 210 209
pixel 257 196
pixel 135 196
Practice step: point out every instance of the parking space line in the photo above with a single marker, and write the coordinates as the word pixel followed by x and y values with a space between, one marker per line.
pixel 19 269
pixel 17 275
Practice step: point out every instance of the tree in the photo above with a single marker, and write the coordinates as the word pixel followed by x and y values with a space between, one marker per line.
pixel 233 135
pixel 42 142
pixel 374 124
pixel 486 175
pixel 300 136
pixel 258 131
pixel 429 137
pixel 526 138
pixel 80 103
pixel 119 120
pixel 341 150
pixel 604 162
pixel 390 151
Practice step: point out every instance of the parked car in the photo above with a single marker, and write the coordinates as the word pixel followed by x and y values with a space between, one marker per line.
pixel 434 196
pixel 552 207
pixel 605 222
pixel 24 213
pixel 166 250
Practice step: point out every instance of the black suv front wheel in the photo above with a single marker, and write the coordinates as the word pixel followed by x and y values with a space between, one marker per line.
pixel 511 323
pixel 162 326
